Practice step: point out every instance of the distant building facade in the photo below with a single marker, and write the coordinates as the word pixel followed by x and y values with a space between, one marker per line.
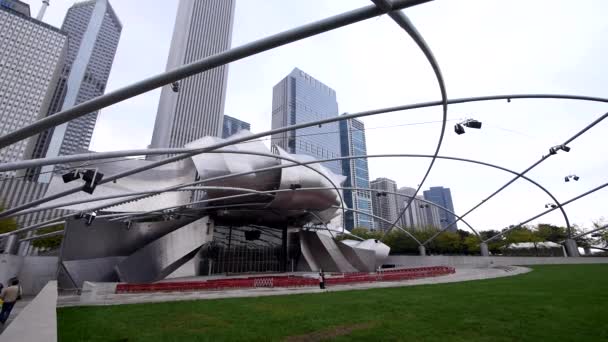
pixel 202 29
pixel 384 202
pixel 300 98
pixel 17 6
pixel 233 125
pixel 420 215
pixel 31 56
pixel 353 143
pixel 443 197
pixel 94 32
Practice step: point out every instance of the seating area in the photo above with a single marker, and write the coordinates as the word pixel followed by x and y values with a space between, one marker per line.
pixel 287 280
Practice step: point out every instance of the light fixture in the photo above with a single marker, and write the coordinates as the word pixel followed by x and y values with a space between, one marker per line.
pixel 175 86
pixel 71 176
pixel 470 123
pixel 381 193
pixel 89 218
pixel 459 129
pixel 568 177
pixel 554 149
pixel 91 178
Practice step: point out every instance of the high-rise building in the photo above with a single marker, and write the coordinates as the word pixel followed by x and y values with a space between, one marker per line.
pixel 233 125
pixel 384 202
pixel 352 143
pixel 419 215
pixel 299 98
pixel 202 28
pixel 31 56
pixel 443 197
pixel 94 31
pixel 17 6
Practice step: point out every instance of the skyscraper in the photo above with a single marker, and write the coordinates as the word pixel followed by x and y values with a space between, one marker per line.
pixel 299 98
pixel 202 28
pixel 17 6
pixel 233 125
pixel 443 197
pixel 384 204
pixel 419 215
pixel 31 57
pixel 352 143
pixel 94 31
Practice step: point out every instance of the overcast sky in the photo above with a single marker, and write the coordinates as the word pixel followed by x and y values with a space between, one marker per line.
pixel 484 47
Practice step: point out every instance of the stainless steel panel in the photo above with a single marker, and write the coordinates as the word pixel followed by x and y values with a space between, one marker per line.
pixel 105 238
pixel 323 253
pixel 363 260
pixel 97 270
pixel 160 258
pixel 157 178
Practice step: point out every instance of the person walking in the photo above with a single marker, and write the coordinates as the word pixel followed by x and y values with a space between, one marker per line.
pixel 9 295
pixel 321 279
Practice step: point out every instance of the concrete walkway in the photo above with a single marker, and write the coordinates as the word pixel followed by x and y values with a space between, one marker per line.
pixel 462 274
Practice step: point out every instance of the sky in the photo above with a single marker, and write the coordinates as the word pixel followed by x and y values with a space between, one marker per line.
pixel 483 47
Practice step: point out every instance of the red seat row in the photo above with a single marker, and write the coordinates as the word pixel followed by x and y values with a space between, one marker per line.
pixel 286 281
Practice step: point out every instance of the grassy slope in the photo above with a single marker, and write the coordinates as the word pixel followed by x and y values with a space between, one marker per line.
pixel 565 303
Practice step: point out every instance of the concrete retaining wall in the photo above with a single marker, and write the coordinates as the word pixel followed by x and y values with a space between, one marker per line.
pixel 479 261
pixel 38 321
pixel 33 271
pixel 36 272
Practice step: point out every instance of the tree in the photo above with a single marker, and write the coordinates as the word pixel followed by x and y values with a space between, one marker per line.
pixel 49 242
pixel 548 232
pixel 7 224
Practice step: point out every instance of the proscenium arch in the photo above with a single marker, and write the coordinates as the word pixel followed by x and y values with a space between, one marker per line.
pixel 355 157
pixel 146 194
pixel 185 153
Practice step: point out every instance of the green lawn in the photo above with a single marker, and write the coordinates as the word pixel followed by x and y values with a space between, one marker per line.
pixel 551 303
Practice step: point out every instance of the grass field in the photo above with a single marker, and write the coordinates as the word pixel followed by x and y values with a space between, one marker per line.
pixel 552 303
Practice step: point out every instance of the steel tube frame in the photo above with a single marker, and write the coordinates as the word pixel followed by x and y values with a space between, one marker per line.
pixel 542 159
pixel 547 211
pixel 207 63
pixel 341 158
pixel 12 166
pixel 191 152
pixel 589 232
pixel 404 22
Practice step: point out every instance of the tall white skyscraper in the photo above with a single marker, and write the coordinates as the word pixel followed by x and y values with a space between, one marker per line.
pixel 202 28
pixel 94 31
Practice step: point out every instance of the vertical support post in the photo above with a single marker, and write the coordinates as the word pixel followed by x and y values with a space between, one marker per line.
pixel 422 250
pixel 483 248
pixel 11 244
pixel 284 250
pixel 571 248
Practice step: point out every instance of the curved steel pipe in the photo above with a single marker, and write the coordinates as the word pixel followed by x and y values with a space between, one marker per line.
pixel 200 66
pixel 542 159
pixel 17 209
pixel 590 232
pixel 367 156
pixel 192 152
pixel 284 129
pixel 404 22
pixel 547 211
